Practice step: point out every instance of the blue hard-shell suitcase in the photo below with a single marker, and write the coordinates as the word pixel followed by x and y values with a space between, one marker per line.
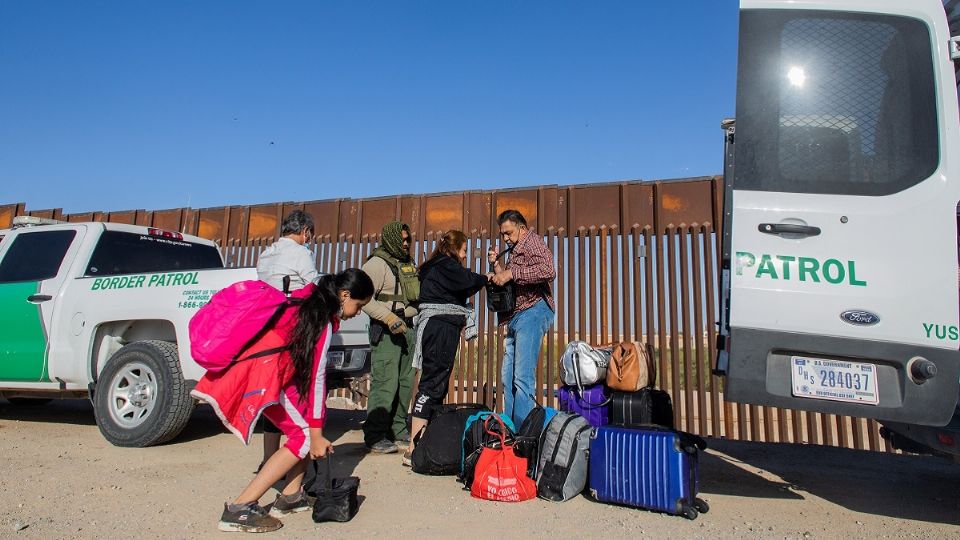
pixel 646 467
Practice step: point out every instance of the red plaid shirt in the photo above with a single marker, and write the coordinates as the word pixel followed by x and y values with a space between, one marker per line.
pixel 533 271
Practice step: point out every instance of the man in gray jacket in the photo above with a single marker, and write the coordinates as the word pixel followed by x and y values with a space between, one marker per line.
pixel 396 289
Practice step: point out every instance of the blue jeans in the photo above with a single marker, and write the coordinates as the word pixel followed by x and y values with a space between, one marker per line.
pixel 522 344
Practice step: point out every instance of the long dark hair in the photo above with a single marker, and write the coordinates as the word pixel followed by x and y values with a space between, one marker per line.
pixel 316 311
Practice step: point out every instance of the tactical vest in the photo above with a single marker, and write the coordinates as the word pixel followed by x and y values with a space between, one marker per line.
pixel 407 277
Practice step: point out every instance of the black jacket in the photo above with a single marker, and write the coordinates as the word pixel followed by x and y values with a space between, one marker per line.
pixel 443 280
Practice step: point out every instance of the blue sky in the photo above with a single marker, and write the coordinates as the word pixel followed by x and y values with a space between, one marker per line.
pixel 144 104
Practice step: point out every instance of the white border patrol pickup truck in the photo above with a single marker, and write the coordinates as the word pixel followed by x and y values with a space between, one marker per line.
pixel 101 310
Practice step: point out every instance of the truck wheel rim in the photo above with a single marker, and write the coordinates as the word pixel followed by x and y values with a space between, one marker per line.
pixel 133 394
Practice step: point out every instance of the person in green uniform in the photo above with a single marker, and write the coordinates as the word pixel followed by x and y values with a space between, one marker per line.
pixel 396 290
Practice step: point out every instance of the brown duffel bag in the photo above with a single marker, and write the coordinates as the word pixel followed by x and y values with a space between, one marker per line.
pixel 631 367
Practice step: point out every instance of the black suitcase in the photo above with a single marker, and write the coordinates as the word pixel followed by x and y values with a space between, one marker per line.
pixel 645 407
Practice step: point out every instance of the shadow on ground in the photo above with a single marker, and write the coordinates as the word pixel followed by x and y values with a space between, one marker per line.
pixel 921 488
pixel 77 412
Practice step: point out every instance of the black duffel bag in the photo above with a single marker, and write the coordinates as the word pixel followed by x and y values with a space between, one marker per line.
pixel 336 497
pixel 436 449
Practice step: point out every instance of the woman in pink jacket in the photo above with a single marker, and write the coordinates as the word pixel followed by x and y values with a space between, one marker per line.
pixel 289 387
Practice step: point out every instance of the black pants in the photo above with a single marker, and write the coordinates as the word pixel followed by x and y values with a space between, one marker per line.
pixel 441 338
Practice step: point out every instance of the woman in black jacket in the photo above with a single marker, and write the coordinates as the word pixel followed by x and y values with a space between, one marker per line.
pixel 445 286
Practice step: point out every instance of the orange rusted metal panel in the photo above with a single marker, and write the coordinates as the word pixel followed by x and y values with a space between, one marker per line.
pixel 479 209
pixel 684 203
pixel 377 213
pixel 48 214
pixel 78 218
pixel 263 221
pixel 7 213
pixel 523 200
pixel 638 206
pixel 211 223
pixel 594 205
pixel 168 220
pixel 350 217
pixel 411 213
pixel 128 217
pixel 444 212
pixel 326 217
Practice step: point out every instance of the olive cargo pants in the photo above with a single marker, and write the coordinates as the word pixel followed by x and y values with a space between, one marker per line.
pixel 391 381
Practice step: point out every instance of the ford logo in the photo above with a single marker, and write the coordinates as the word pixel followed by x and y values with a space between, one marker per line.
pixel 860 317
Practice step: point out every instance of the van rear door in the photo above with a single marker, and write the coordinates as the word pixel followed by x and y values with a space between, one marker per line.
pixel 842 239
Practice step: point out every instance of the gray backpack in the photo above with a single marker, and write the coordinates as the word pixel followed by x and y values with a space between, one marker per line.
pixel 562 467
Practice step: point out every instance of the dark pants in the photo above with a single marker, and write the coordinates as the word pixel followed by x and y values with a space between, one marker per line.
pixel 391 381
pixel 441 339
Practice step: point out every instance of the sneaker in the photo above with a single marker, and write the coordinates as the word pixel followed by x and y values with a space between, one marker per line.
pixel 384 446
pixel 403 439
pixel 407 459
pixel 251 518
pixel 285 505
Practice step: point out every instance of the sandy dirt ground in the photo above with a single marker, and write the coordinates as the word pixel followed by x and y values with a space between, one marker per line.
pixel 61 479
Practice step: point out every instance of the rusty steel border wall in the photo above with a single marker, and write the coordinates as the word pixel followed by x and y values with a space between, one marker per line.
pixel 635 261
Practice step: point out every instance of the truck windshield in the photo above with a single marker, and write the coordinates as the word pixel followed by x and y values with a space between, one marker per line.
pixel 834 103
pixel 120 252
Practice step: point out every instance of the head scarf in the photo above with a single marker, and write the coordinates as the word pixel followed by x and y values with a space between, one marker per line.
pixel 391 241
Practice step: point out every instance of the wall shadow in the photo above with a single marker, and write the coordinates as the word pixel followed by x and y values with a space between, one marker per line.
pixel 921 488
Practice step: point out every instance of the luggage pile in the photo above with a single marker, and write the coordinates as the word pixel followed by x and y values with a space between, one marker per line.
pixel 637 458
pixel 612 435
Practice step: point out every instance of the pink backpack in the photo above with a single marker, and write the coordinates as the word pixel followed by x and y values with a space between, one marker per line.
pixel 235 318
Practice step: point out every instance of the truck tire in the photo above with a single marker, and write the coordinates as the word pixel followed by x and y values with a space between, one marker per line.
pixel 141 398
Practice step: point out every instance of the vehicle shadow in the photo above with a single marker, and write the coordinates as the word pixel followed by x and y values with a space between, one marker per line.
pixel 77 412
pixel 921 488
pixel 203 423
pixel 724 475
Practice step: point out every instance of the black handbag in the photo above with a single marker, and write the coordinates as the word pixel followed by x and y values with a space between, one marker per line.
pixel 501 298
pixel 336 497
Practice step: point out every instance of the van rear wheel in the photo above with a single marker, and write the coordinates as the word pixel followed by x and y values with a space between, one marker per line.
pixel 141 398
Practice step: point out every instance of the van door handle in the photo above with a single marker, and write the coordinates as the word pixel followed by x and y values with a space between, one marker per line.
pixel 37 298
pixel 788 228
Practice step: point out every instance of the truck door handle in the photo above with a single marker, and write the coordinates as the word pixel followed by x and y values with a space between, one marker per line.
pixel 788 228
pixel 37 298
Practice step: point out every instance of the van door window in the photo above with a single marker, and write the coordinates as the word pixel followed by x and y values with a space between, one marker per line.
pixel 834 103
pixel 35 256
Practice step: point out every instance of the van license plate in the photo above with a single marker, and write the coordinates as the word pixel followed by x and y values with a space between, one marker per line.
pixel 835 380
pixel 335 360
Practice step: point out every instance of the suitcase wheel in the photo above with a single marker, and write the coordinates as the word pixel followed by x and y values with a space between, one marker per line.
pixel 701 505
pixel 690 512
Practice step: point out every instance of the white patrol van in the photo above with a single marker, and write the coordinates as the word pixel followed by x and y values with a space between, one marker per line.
pixel 840 261
pixel 101 310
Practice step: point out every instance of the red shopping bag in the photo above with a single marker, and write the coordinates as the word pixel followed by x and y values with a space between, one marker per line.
pixel 500 474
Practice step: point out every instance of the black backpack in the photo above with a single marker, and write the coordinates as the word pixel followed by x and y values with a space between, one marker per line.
pixel 474 439
pixel 436 449
pixel 527 441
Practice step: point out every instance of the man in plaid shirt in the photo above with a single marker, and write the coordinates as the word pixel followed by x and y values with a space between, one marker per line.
pixel 532 270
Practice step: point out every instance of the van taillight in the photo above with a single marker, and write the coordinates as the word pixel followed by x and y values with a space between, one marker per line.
pixel 165 234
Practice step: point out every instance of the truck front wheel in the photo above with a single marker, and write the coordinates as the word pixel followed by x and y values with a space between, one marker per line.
pixel 141 398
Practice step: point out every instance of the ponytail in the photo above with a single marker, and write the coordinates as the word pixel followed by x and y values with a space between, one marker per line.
pixel 315 313
pixel 449 244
